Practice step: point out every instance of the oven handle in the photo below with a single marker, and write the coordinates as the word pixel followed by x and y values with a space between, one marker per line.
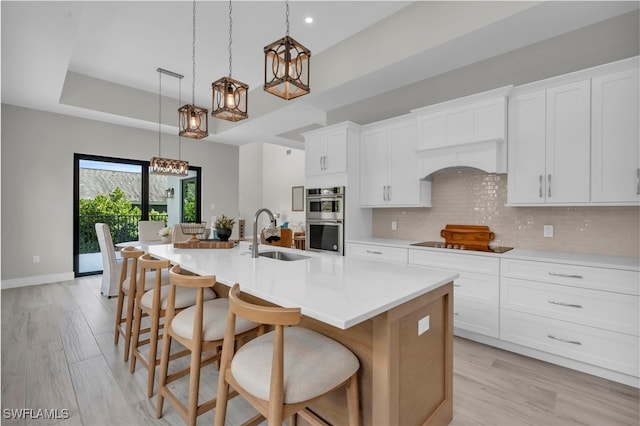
pixel 325 197
pixel 324 222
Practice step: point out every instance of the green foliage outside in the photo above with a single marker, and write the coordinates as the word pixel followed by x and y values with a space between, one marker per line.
pixel 189 203
pixel 116 211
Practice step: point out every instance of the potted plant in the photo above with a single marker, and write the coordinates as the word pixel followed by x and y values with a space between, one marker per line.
pixel 165 234
pixel 224 226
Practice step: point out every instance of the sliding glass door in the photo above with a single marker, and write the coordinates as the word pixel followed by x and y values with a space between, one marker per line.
pixel 120 192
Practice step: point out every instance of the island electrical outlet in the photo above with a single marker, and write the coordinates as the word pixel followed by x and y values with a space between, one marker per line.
pixel 423 325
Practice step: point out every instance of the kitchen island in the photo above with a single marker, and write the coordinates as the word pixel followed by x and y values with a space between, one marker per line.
pixel 396 319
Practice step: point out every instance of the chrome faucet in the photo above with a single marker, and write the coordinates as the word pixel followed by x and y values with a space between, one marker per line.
pixel 272 220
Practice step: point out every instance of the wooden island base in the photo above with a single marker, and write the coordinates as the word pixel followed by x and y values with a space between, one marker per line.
pixel 405 379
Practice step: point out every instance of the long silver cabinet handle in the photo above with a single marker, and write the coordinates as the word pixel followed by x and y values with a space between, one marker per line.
pixel 321 166
pixel 573 342
pixel 388 192
pixel 540 190
pixel 456 285
pixel 374 252
pixel 571 305
pixel 324 161
pixel 555 274
pixel 638 181
pixel 548 185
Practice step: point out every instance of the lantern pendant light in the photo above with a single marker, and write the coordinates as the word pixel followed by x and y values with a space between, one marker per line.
pixel 193 120
pixel 286 66
pixel 167 166
pixel 230 97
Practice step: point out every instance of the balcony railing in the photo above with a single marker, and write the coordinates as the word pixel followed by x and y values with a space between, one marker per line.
pixel 122 227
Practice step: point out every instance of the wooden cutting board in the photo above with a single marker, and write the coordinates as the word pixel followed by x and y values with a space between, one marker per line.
pixel 473 237
pixel 208 244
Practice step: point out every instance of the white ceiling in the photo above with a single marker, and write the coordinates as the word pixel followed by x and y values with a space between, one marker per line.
pixel 123 42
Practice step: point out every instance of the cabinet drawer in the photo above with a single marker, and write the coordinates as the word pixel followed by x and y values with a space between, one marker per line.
pixel 607 310
pixel 456 261
pixel 476 317
pixel 378 253
pixel 615 280
pixel 479 288
pixel 607 349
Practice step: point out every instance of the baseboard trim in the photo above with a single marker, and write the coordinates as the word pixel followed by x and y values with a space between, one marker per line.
pixel 37 280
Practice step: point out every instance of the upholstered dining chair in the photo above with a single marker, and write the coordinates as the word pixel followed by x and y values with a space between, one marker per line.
pixel 281 372
pixel 177 236
pixel 199 328
pixel 148 230
pixel 111 265
pixel 153 303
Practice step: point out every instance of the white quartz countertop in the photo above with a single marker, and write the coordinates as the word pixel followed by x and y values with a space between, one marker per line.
pixel 595 260
pixel 336 290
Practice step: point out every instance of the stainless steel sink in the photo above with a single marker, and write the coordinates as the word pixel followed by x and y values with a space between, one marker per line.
pixel 281 255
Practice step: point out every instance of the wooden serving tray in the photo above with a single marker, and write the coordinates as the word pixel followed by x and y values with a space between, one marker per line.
pixel 473 237
pixel 208 244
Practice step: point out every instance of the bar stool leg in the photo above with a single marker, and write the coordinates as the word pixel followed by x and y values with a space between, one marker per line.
pixel 164 367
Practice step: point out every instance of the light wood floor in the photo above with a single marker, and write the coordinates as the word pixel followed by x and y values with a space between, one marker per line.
pixel 58 353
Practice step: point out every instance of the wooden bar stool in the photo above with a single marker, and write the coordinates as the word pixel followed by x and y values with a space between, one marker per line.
pixel 315 366
pixel 127 288
pixel 153 303
pixel 199 328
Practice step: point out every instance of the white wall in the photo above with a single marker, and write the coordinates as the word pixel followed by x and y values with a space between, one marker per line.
pixel 267 174
pixel 37 183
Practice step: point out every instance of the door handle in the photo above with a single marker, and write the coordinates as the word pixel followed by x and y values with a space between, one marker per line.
pixel 548 185
pixel 540 190
pixel 374 252
pixel 554 274
pixel 388 192
pixel 638 181
pixel 573 342
pixel 571 305
pixel 321 166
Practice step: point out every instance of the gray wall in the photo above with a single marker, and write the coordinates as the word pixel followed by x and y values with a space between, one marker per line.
pixel 607 41
pixel 37 182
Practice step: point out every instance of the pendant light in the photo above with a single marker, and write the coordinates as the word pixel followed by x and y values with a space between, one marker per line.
pixel 166 166
pixel 230 97
pixel 193 120
pixel 286 66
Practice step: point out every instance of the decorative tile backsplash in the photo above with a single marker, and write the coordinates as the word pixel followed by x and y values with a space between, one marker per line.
pixel 472 197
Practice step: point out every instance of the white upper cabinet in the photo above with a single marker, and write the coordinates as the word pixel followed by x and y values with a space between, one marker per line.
pixel 573 140
pixel 326 149
pixel 567 150
pixel 389 167
pixel 527 134
pixel 615 172
pixel 549 140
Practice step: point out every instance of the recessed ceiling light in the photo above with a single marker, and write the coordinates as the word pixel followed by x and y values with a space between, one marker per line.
pixel 308 20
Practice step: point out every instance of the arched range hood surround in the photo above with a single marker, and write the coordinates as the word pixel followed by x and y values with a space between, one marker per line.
pixel 465 132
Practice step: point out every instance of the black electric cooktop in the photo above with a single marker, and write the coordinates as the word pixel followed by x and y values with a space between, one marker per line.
pixel 442 245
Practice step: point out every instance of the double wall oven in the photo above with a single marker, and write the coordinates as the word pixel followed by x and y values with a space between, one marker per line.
pixel 325 219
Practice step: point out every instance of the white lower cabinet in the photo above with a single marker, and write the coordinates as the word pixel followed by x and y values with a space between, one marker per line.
pixel 476 293
pixel 379 253
pixel 606 349
pixel 583 313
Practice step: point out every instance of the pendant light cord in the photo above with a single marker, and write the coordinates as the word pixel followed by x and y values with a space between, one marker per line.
pixel 287 15
pixel 159 114
pixel 193 58
pixel 179 103
pixel 230 38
